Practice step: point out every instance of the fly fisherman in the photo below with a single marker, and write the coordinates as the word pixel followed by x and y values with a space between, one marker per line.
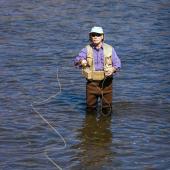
pixel 99 62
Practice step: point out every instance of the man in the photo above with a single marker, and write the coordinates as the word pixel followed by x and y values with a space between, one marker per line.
pixel 99 62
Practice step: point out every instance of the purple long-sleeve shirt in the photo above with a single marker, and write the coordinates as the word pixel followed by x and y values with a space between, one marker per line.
pixel 98 56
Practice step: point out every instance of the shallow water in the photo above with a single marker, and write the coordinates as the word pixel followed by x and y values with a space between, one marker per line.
pixel 38 42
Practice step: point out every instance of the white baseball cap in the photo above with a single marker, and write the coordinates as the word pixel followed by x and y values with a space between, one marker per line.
pixel 97 30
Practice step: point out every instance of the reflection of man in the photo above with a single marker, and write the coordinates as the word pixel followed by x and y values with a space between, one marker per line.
pixel 99 61
pixel 95 142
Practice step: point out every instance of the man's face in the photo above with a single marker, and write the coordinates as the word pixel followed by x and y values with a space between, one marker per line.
pixel 96 38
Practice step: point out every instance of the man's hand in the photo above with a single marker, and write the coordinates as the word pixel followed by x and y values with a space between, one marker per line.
pixel 109 70
pixel 83 63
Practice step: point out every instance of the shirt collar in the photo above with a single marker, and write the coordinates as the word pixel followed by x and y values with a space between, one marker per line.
pixel 95 47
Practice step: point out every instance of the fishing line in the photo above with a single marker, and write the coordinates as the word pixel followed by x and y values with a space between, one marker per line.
pixel 52 161
pixel 103 99
pixel 49 124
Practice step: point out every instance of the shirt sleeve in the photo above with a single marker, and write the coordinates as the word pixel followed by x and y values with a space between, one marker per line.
pixel 82 55
pixel 115 60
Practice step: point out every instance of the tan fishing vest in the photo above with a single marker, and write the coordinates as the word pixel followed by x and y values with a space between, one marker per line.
pixel 89 71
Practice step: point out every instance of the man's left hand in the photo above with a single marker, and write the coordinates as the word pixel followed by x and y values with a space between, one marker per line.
pixel 109 71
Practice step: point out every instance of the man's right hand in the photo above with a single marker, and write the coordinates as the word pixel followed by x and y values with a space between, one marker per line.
pixel 83 63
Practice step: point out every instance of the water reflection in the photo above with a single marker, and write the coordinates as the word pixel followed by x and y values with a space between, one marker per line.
pixel 95 142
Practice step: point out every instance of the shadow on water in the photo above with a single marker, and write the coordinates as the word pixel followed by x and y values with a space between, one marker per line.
pixel 95 143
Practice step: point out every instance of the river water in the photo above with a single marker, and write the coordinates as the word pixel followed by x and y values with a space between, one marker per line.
pixel 38 42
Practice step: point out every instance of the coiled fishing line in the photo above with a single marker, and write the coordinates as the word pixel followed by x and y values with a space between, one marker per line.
pixel 49 124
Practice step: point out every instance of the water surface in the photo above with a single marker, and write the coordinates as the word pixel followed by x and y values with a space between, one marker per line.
pixel 38 42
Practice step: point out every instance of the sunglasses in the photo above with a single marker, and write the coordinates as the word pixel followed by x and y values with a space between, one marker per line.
pixel 95 34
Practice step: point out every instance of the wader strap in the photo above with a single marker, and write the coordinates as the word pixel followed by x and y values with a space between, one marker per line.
pixel 107 49
pixel 90 59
